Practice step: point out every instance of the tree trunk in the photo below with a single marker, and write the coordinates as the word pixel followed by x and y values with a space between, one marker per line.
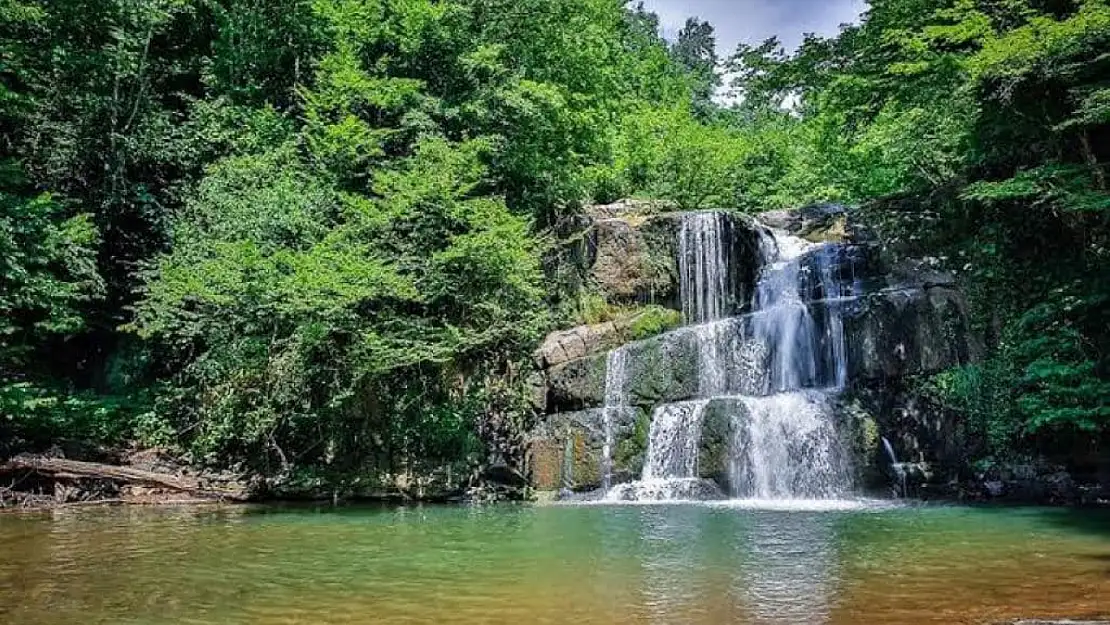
pixel 72 469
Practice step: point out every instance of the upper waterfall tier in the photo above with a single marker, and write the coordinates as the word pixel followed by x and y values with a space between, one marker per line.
pixel 707 259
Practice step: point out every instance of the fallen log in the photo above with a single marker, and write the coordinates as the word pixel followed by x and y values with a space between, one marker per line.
pixel 59 468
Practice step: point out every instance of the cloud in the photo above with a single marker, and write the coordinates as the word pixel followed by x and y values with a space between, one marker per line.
pixel 752 21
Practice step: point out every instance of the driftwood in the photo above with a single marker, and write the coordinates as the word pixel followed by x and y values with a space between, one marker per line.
pixel 61 469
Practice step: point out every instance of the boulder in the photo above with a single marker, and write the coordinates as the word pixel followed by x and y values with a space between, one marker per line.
pixel 818 223
pixel 905 332
pixel 577 343
pixel 565 452
pixel 587 340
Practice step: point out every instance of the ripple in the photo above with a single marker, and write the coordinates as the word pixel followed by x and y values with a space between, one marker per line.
pixel 772 505
pixel 809 505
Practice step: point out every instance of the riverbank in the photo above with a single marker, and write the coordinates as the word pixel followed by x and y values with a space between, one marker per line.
pixel 140 477
pixel 152 477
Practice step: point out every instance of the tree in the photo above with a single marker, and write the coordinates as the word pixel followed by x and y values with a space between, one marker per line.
pixel 696 50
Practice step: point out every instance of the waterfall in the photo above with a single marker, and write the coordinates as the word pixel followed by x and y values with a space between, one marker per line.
pixel 703 267
pixel 616 399
pixel 777 366
pixel 673 442
pixel 898 468
pixel 786 448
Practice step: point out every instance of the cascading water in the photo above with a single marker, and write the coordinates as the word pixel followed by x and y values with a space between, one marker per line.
pixel 703 264
pixel 781 363
pixel 616 399
pixel 786 447
pixel 673 449
pixel 898 468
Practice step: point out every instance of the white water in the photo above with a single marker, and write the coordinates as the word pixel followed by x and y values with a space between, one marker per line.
pixel 616 399
pixel 785 447
pixel 782 320
pixel 673 441
pixel 898 468
pixel 703 266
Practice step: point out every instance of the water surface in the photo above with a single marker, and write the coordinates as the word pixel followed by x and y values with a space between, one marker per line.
pixel 671 564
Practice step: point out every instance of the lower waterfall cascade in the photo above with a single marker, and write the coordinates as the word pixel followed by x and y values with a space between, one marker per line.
pixel 775 370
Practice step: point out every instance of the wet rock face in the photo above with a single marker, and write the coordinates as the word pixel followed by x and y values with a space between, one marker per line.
pixel 888 335
pixel 921 433
pixel 717 437
pixel 630 255
pixel 577 385
pixel 660 370
pixel 566 450
pixel 906 332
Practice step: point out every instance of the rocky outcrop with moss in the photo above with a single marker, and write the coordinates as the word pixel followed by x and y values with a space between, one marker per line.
pixel 904 320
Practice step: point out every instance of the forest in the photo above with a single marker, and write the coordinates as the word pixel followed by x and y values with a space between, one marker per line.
pixel 306 239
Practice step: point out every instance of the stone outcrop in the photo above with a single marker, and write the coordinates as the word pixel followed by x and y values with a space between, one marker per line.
pixel 566 450
pixel 628 253
pixel 588 340
pixel 818 223
pixel 906 332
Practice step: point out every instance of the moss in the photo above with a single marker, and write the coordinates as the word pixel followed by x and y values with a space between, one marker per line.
pixel 631 451
pixel 593 309
pixel 653 321
pixel 864 440
pixel 835 232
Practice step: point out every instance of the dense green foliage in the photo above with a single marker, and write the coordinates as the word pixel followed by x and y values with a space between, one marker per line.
pixel 301 237
pixel 304 237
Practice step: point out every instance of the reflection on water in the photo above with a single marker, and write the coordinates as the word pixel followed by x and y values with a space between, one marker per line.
pixel 670 552
pixel 636 565
pixel 789 570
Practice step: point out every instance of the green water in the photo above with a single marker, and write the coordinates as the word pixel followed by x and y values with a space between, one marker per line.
pixel 573 565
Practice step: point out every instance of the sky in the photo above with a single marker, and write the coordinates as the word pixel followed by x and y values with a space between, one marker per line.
pixel 752 21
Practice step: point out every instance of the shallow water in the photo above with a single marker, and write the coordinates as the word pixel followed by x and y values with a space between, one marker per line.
pixel 581 565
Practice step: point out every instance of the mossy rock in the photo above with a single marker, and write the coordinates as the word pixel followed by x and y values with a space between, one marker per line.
pixel 631 452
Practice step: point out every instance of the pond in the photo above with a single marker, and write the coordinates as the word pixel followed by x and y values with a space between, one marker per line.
pixel 580 565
